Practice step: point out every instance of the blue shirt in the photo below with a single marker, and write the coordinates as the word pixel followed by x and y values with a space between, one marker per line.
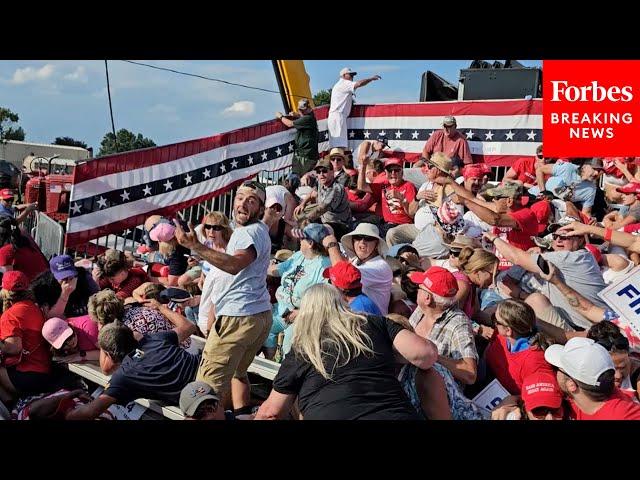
pixel 520 345
pixel 565 174
pixel 363 304
pixel 297 274
pixel 158 369
pixel 7 212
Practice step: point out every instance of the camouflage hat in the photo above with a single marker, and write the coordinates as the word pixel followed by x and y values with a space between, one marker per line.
pixel 507 190
pixel 324 163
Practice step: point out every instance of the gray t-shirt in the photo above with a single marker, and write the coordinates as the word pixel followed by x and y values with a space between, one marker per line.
pixel 336 197
pixel 580 272
pixel 245 293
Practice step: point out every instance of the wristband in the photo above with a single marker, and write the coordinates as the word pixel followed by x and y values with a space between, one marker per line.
pixel 332 244
pixel 607 234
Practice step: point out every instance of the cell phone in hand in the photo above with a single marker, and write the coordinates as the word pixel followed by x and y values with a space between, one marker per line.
pixel 543 265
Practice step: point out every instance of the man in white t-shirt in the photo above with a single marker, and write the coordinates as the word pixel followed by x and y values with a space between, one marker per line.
pixel 241 300
pixel 341 100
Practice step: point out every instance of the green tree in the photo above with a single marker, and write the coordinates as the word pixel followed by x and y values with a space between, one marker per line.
pixel 69 142
pixel 126 141
pixel 323 97
pixel 8 128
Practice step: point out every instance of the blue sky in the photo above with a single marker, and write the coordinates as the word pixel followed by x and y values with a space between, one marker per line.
pixel 69 98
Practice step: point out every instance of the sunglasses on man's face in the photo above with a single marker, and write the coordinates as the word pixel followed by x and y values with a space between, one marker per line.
pixel 557 236
pixel 321 170
pixel 542 412
pixel 215 228
pixel 337 159
pixel 393 169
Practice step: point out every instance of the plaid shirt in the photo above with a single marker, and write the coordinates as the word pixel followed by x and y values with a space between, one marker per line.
pixel 451 333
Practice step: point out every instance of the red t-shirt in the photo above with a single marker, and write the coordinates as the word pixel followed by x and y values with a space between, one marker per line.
pixel 521 238
pixel 526 169
pixel 392 212
pixel 359 205
pixel 511 369
pixel 136 277
pixel 86 331
pixel 25 320
pixel 618 407
pixel 29 260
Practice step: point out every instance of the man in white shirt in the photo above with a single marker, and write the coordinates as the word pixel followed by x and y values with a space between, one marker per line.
pixel 341 100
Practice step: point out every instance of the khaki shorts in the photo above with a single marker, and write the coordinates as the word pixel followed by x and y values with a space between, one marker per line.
pixel 558 317
pixel 231 347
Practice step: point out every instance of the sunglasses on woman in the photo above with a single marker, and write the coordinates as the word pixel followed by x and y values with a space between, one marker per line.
pixel 215 228
pixel 361 238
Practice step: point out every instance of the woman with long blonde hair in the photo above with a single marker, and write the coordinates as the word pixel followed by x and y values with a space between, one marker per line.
pixel 342 365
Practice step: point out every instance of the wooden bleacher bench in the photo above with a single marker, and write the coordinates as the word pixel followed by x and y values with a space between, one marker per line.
pixel 92 372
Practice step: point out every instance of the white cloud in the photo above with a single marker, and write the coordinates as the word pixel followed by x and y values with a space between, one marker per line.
pixel 78 75
pixel 28 74
pixel 243 108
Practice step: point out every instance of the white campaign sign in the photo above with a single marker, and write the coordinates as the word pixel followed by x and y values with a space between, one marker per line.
pixel 131 411
pixel 623 296
pixel 491 396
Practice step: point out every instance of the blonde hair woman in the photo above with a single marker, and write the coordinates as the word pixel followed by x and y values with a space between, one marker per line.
pixel 342 365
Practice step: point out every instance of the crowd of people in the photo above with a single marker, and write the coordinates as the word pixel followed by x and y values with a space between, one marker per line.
pixel 380 297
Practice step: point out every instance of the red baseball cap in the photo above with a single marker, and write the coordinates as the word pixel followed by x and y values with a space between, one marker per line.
pixel 595 251
pixel 473 171
pixel 343 275
pixel 392 161
pixel 438 280
pixel 6 194
pixel 541 390
pixel 15 281
pixel 633 187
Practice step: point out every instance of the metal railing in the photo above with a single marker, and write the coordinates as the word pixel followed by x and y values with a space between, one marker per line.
pixel 49 235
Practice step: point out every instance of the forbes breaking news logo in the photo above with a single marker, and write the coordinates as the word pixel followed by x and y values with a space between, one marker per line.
pixel 588 111
pixel 563 92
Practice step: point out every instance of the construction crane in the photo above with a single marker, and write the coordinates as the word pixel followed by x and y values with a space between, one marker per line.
pixel 293 82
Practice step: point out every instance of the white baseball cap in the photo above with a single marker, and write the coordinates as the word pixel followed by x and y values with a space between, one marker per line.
pixel 581 358
pixel 346 70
